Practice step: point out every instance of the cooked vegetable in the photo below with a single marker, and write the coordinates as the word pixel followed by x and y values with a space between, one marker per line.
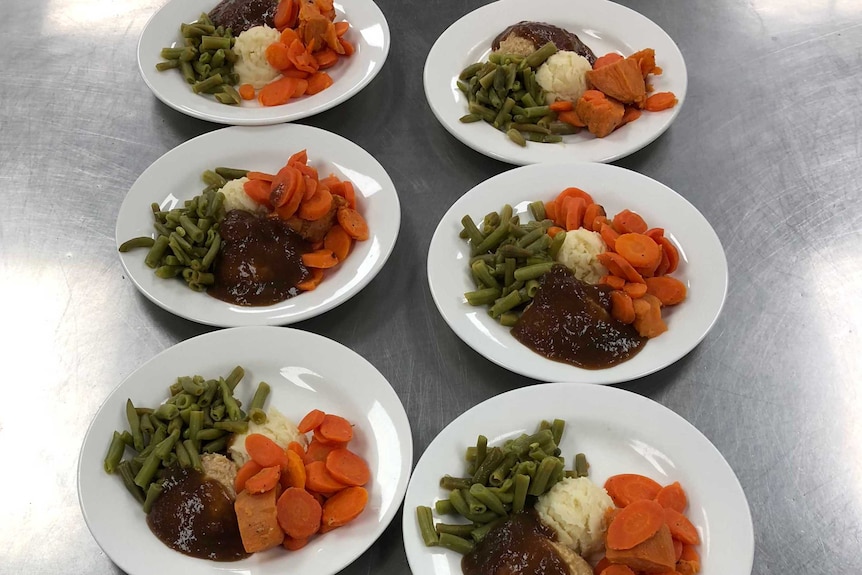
pixel 347 467
pixel 257 517
pixel 636 523
pixel 299 513
pixel 628 487
pixel 343 507
pixel 672 497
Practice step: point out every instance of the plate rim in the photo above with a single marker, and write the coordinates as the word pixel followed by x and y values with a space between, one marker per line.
pixel 273 118
pixel 575 389
pixel 538 373
pixel 522 156
pixel 400 414
pixel 264 319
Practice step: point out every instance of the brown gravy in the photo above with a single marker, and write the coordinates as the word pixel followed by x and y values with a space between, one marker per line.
pixel 240 15
pixel 195 516
pixel 260 262
pixel 521 545
pixel 540 33
pixel 570 321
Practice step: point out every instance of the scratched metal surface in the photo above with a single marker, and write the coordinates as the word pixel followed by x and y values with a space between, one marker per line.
pixel 767 146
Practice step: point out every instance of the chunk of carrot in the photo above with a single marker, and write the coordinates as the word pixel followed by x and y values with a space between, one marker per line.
pixel 609 235
pixel 636 523
pixel 574 193
pixel 317 451
pixel 246 92
pixel 299 513
pixel 353 223
pixel 680 527
pixel 648 321
pixel 622 308
pixel 326 58
pixel 592 212
pixel 617 569
pixel 264 451
pixel 317 478
pixel 313 281
pixel 607 59
pixel 277 92
pixel 294 474
pixel 311 421
pixel 257 518
pixel 263 480
pixel 322 259
pixel 628 221
pixel 601 565
pixel 318 205
pixel 628 487
pixel 615 282
pixel 292 544
pixel 561 106
pixel 660 101
pixel 638 249
pixel 288 35
pixel 285 14
pixel 336 428
pixel 347 467
pixel 337 240
pixel 249 469
pixel 341 28
pixel 619 266
pixel 635 290
pixel 277 56
pixel 571 117
pixel 574 209
pixel 287 183
pixel 343 507
pixel 348 47
pixel 318 82
pixel 669 290
pixel 672 254
pixel 301 59
pixel 258 190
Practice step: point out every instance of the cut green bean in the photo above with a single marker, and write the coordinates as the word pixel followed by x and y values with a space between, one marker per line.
pixel 426 526
pixel 582 467
pixel 444 507
pixel 459 529
pixel 455 543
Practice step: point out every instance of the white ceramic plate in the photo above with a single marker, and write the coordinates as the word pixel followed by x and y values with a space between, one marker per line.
pixel 369 34
pixel 176 177
pixel 305 371
pixel 703 267
pixel 601 25
pixel 620 432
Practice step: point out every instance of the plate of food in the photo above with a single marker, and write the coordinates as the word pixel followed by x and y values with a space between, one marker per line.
pixel 578 272
pixel 258 226
pixel 576 477
pixel 244 458
pixel 256 62
pixel 556 81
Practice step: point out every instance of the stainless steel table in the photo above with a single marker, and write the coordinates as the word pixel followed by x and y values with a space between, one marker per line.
pixel 767 146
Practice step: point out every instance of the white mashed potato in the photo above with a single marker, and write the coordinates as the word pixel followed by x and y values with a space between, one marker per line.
pixel 252 66
pixel 575 509
pixel 277 427
pixel 563 76
pixel 235 197
pixel 578 253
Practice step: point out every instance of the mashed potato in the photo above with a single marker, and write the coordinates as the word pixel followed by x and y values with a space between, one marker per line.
pixel 575 509
pixel 252 66
pixel 578 253
pixel 563 76
pixel 235 197
pixel 277 427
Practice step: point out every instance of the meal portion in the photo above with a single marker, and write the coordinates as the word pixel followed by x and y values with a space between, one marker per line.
pixel 281 50
pixel 253 238
pixel 573 284
pixel 217 482
pixel 542 82
pixel 517 510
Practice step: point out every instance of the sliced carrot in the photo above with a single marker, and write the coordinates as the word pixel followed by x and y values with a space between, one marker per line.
pixel 636 523
pixel 317 478
pixel 628 487
pixel 312 282
pixel 688 562
pixel 638 249
pixel 318 82
pixel 246 92
pixel 263 480
pixel 349 194
pixel 655 233
pixel 575 208
pixel 348 47
pixel 249 469
pixel 551 211
pixel 592 212
pixel 677 549
pixel 618 266
pixel 341 28
pixel 287 183
pixel 608 58
pixel 622 308
pixel 630 115
pixel 301 59
pixel 554 230
pixel 276 55
pixel 337 240
pixel 336 428
pixel 615 282
pixel 301 87
pixel 353 223
pixel 317 450
pixel 298 74
pixel 288 35
pixel 292 544
pixel 265 451
pixel 258 190
pixel 635 290
pixel 344 506
pixel 601 565
pixel 299 513
pixel 629 222
pixel 669 290
pixel 326 58
pixel 285 14
pixel 574 193
pixel 321 259
pixel 300 157
pixel 287 210
pixel 294 474
pixel 571 117
pixel 317 205
pixel 617 569
pixel 320 439
pixel 672 254
pixel 311 421
pixel 660 101
pixel 252 175
pixel 609 235
pixel 648 321
pixel 562 106
pixel 347 467
pixel 680 527
pixel 277 92
pixel 297 448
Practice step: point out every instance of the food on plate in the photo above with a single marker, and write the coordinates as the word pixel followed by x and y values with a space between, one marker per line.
pixel 253 238
pixel 280 52
pixel 541 83
pixel 575 509
pixel 600 306
pixel 271 487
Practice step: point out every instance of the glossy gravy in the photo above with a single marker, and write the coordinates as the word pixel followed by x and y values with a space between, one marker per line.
pixel 540 33
pixel 240 15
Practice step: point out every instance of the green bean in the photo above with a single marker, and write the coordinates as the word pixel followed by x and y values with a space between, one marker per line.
pixel 492 460
pixel 538 57
pixel 502 470
pixel 484 275
pixel 473 232
pixel 215 445
pixel 426 526
pixel 516 137
pixel 160 244
pixel 449 483
pixel 235 377
pixel 128 477
pixel 231 173
pixel 479 533
pixel 193 231
pixel 562 128
pixel 134 426
pixel 557 428
pixel 153 492
pixel 509 318
pixel 231 407
pixel 257 415
pixel 115 452
pixel 543 474
pixel 537 209
pixel 522 483
pixel 455 543
pixel 487 114
pixel 444 507
pixel 206 399
pixel 208 83
pixel 260 396
pixel 232 426
pixel 506 303
pixel 470 71
pixel 182 455
pixel 217 412
pixel 494 238
pixel 582 468
pixel 541 245
pixel 470 118
pixel 459 529
pixel 194 456
pixel 533 271
pixel 484 296
pixel 140 242
pixel 459 502
pixel 228 95
pixel 557 243
pixel 487 498
pixel 214 43
pixel 475 506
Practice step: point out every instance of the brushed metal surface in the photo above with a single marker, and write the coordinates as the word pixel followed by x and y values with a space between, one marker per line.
pixel 767 146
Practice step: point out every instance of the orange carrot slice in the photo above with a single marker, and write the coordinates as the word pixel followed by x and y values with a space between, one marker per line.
pixel 338 241
pixel 317 478
pixel 263 480
pixel 343 507
pixel 680 527
pixel 353 223
pixel 299 513
pixel 311 421
pixel 628 487
pixel 672 496
pixel 336 428
pixel 264 451
pixel 347 467
pixel 636 523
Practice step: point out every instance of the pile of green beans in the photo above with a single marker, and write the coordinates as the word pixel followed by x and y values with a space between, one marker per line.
pixel 508 259
pixel 187 239
pixel 205 59
pixel 504 93
pixel 198 418
pixel 501 481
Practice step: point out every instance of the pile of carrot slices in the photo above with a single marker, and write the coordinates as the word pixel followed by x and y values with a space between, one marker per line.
pixel 648 531
pixel 639 259
pixel 297 194
pixel 286 496
pixel 310 43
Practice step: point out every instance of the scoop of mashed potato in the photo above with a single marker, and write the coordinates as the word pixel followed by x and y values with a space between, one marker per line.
pixel 578 253
pixel 575 509
pixel 277 427
pixel 252 66
pixel 563 76
pixel 235 197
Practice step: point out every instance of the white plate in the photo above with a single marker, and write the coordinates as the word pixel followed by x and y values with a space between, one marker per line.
pixel 702 268
pixel 601 25
pixel 369 34
pixel 620 432
pixel 176 177
pixel 305 371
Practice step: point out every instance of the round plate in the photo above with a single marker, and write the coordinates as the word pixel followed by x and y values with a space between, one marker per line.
pixel 176 176
pixel 702 268
pixel 369 34
pixel 305 371
pixel 620 432
pixel 601 25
